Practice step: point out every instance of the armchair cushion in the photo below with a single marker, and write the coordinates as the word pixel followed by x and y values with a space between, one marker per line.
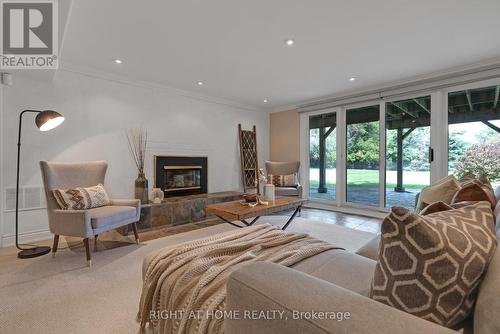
pixel 109 215
pixel 136 203
pixel 286 191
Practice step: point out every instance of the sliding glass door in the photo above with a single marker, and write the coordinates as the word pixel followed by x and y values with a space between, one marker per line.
pixel 381 154
pixel 371 155
pixel 323 156
pixel 362 151
pixel 407 137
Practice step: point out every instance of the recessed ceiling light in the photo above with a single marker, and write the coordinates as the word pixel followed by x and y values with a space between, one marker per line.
pixel 118 61
pixel 289 42
pixel 265 101
pixel 200 83
pixel 352 79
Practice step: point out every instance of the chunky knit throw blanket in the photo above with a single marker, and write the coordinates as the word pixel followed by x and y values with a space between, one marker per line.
pixel 185 286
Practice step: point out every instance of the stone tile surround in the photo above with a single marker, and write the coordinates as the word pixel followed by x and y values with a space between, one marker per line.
pixel 179 210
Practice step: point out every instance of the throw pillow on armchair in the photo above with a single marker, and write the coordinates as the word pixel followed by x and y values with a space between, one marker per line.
pixel 282 180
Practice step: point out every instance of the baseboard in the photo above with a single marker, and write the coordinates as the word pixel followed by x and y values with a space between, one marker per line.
pixel 31 236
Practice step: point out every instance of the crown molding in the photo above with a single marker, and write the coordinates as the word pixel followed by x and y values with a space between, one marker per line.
pixel 103 75
pixel 490 65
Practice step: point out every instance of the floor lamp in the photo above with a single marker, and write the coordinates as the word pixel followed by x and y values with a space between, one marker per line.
pixel 45 120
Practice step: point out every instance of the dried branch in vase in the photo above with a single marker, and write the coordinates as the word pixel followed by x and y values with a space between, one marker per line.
pixel 137 142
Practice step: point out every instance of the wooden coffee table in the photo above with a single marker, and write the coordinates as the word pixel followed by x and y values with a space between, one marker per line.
pixel 232 211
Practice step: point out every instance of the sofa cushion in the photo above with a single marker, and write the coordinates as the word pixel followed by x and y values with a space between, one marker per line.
pixel 107 215
pixel 497 193
pixel 432 266
pixel 81 198
pixel 486 319
pixel 371 249
pixel 443 190
pixel 345 269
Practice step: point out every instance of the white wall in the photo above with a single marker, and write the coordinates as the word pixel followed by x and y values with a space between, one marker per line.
pixel 98 111
pixel 1 163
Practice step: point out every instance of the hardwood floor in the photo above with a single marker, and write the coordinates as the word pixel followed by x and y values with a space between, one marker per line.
pixel 356 222
pixel 362 223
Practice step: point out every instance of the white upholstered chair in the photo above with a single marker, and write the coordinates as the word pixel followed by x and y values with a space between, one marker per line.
pixel 285 168
pixel 84 223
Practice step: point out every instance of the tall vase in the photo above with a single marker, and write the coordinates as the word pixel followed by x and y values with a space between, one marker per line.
pixel 141 188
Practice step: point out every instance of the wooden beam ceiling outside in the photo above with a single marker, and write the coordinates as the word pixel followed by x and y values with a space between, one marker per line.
pixel 491 125
pixel 469 99
pixel 497 94
pixel 400 106
pixel 421 104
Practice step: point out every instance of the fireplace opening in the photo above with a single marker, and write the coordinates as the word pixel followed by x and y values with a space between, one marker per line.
pixel 182 178
pixel 178 176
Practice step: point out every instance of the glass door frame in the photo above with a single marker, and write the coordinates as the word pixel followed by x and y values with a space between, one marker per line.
pixel 304 153
pixel 435 135
pixel 343 146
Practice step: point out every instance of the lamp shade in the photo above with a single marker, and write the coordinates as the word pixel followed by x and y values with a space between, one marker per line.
pixel 48 119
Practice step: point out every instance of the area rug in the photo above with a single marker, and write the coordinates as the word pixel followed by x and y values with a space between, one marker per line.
pixel 62 295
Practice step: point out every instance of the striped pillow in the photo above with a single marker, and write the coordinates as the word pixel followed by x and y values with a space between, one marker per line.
pixel 81 198
pixel 282 180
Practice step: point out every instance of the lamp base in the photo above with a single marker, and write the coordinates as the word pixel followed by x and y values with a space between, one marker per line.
pixel 33 252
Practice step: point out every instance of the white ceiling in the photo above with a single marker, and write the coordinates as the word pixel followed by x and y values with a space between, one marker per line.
pixel 237 47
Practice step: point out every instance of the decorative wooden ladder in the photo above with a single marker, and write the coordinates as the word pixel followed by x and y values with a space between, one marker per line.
pixel 249 160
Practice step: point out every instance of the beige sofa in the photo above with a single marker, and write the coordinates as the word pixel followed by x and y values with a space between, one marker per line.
pixel 339 281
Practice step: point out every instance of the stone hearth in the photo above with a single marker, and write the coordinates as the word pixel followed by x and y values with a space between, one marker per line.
pixel 179 210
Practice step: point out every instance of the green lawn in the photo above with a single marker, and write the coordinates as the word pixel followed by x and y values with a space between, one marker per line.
pixel 369 178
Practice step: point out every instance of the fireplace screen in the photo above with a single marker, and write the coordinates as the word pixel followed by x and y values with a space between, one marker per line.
pixel 179 178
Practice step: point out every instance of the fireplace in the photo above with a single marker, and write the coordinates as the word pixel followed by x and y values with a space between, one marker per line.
pixel 178 176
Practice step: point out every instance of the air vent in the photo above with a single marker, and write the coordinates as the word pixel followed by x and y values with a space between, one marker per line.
pixel 30 198
pixel 10 199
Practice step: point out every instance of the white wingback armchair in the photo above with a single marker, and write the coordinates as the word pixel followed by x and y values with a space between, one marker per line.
pixel 286 168
pixel 84 223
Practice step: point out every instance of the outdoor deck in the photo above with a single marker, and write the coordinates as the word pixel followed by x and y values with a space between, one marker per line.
pixel 370 196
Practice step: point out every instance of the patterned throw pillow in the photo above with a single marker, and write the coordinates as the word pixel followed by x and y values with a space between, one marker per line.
pixel 432 266
pixel 435 207
pixel 475 191
pixel 81 198
pixel 443 190
pixel 282 180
